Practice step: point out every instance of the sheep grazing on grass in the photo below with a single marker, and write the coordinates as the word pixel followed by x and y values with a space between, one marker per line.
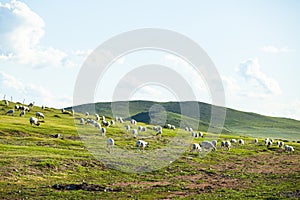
pixel 31 105
pixel 134 133
pixel 255 141
pixel 186 129
pixel 10 112
pixel 43 107
pixel 6 103
pixel 241 141
pixel 39 115
pixel 159 132
pixel 110 144
pixel 57 135
pixel 168 126
pixel 22 113
pixel 112 122
pixel 133 122
pixel 63 110
pixel 196 147
pixel 97 117
pixel 17 107
pixel 173 127
pixel 233 141
pixel 144 129
pixel 141 144
pixel 266 141
pixel 34 121
pixel 103 118
pixel 140 128
pixel 81 121
pixel 200 134
pixel 105 123
pixel 103 131
pixel 127 127
pixel 269 144
pixel 208 146
pixel 214 142
pixel 190 129
pixel 87 114
pixel 97 125
pixel 227 145
pixel 280 144
pixel 289 148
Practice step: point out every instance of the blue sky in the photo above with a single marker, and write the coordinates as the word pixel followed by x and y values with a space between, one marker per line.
pixel 254 45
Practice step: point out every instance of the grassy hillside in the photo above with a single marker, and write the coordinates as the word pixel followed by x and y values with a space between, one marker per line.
pixel 36 165
pixel 236 122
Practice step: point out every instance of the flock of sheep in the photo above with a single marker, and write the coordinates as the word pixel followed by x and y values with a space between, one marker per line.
pixel 135 129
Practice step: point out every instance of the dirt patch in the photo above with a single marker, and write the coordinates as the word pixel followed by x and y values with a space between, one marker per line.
pixel 85 186
pixel 19 134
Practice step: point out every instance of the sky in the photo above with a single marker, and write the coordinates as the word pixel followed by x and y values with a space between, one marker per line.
pixel 254 45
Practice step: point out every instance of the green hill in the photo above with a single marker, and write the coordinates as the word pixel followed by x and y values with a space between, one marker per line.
pixel 34 164
pixel 236 122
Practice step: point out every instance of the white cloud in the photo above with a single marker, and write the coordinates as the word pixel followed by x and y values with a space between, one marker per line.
pixel 273 49
pixel 11 86
pixel 251 71
pixel 20 35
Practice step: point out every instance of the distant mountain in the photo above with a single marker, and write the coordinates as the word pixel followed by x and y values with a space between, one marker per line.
pixel 236 122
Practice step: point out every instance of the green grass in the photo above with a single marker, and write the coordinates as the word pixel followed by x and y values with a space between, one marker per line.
pixel 32 161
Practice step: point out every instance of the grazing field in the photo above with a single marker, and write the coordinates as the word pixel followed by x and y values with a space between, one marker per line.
pixel 34 164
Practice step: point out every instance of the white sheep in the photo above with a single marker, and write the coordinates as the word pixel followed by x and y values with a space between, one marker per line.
pixel 133 121
pixel 227 145
pixel 97 117
pixel 190 129
pixel 200 134
pixel 110 144
pixel 17 107
pixel 62 110
pixel 159 133
pixel 97 125
pixel 105 123
pixel 214 142
pixel 144 129
pixel 289 148
pixel 255 140
pixel 22 113
pixel 112 122
pixel 168 126
pixel 280 144
pixel 127 127
pixel 39 115
pixel 81 121
pixel 10 112
pixel 208 145
pixel 233 141
pixel 87 114
pixel 139 128
pixel 134 133
pixel 269 144
pixel 187 129
pixel 173 127
pixel 6 103
pixel 266 141
pixel 103 131
pixel 34 121
pixel 103 118
pixel 196 147
pixel 141 144
pixel 241 141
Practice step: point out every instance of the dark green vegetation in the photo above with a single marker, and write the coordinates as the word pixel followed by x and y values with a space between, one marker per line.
pixel 35 164
pixel 236 123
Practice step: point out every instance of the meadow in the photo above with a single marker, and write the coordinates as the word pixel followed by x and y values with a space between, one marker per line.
pixel 36 165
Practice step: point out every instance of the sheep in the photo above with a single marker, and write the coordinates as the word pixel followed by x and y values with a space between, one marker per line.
pixel 57 135
pixel 31 105
pixel 97 125
pixel 97 117
pixel 105 123
pixel 10 112
pixel 223 144
pixel 200 134
pixel 168 126
pixel 141 144
pixel 214 142
pixel 87 114
pixel 134 133
pixel 196 147
pixel 159 132
pixel 133 121
pixel 139 128
pixel 121 120
pixel 255 140
pixel 43 107
pixel 112 122
pixel 110 144
pixel 241 141
pixel 103 118
pixel 34 121
pixel 103 131
pixel 280 144
pixel 208 145
pixel 233 141
pixel 62 110
pixel 269 144
pixel 127 127
pixel 187 129
pixel 24 108
pixel 266 141
pixel 144 129
pixel 39 115
pixel 173 127
pixel 81 121
pixel 289 148
pixel 190 129
pixel 22 113
pixel 6 103
pixel 227 145
pixel 17 107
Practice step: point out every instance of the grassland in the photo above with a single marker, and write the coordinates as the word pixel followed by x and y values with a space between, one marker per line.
pixel 36 165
